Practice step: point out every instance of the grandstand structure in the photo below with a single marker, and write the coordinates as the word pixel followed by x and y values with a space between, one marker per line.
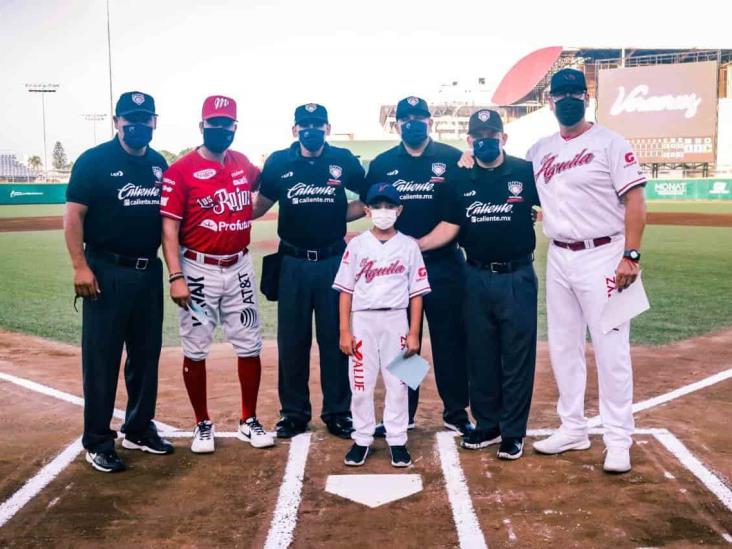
pixel 13 171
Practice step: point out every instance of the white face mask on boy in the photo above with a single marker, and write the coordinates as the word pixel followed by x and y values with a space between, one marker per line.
pixel 384 218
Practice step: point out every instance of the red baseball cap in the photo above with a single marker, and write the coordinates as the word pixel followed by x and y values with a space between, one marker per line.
pixel 218 105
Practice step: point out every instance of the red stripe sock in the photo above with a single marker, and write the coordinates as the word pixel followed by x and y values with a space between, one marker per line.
pixel 194 376
pixel 250 373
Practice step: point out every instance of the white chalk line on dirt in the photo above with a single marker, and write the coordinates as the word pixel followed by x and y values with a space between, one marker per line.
pixel 66 397
pixel 672 395
pixel 38 482
pixel 284 519
pixel 696 467
pixel 463 513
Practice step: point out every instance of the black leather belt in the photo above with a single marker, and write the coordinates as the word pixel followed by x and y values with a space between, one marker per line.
pixel 313 254
pixel 502 266
pixel 138 263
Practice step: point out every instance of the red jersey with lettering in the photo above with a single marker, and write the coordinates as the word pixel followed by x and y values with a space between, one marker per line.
pixel 212 202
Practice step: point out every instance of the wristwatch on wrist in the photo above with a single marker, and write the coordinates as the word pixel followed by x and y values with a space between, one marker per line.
pixel 633 255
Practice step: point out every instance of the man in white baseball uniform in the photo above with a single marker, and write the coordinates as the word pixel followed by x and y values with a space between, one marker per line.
pixel 592 198
pixel 381 274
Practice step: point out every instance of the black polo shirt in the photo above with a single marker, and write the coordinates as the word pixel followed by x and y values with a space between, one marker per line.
pixel 311 193
pixel 416 178
pixel 122 193
pixel 493 209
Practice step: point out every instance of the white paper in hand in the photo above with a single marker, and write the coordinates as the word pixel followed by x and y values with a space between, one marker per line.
pixel 410 370
pixel 623 306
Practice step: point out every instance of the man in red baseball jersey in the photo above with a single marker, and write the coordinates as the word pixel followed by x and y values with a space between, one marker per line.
pixel 207 211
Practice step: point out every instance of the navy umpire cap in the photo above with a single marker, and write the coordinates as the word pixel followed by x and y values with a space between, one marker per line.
pixel 311 112
pixel 412 105
pixel 485 119
pixel 568 80
pixel 383 191
pixel 134 101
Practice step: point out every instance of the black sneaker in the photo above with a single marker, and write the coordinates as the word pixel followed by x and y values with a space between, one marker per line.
pixel 340 426
pixel 462 427
pixel 288 427
pixel 356 456
pixel 106 462
pixel 148 442
pixel 511 448
pixel 400 456
pixel 477 439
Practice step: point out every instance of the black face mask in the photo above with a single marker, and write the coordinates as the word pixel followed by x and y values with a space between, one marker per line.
pixel 137 136
pixel 217 140
pixel 569 111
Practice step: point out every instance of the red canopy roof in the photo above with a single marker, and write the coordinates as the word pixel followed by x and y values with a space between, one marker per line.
pixel 525 74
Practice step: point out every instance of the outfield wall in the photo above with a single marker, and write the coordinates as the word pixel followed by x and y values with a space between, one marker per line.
pixel 657 189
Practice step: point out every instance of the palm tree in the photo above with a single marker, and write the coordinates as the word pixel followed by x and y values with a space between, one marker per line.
pixel 35 163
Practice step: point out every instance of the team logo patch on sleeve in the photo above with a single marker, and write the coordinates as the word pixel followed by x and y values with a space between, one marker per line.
pixel 515 188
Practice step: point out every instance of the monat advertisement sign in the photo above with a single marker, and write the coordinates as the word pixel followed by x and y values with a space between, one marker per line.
pixel 667 112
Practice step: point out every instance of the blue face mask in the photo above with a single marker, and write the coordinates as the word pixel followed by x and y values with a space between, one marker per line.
pixel 137 136
pixel 217 140
pixel 487 150
pixel 312 138
pixel 414 132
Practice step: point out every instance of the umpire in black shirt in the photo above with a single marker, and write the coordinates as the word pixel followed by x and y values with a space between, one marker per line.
pixel 490 209
pixel 418 167
pixel 309 180
pixel 112 228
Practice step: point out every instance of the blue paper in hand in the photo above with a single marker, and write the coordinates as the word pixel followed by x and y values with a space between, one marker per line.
pixel 410 370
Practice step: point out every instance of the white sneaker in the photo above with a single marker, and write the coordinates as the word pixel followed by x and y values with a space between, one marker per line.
pixel 560 442
pixel 617 460
pixel 203 438
pixel 251 431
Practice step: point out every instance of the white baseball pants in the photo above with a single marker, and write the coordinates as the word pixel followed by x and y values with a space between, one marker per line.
pixel 380 337
pixel 228 295
pixel 578 284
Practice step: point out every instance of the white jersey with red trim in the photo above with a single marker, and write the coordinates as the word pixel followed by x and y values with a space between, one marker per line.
pixel 581 182
pixel 382 275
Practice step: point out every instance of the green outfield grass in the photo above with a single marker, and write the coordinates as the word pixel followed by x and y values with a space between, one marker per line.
pixel 32 210
pixel 700 206
pixel 687 273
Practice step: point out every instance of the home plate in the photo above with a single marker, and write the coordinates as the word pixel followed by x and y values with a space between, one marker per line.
pixel 373 490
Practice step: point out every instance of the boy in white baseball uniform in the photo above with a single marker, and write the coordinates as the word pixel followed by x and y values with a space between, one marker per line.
pixel 591 191
pixel 381 274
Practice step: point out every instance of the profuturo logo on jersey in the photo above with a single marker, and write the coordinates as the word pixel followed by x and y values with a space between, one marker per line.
pixel 209 224
pixel 137 195
pixel 482 212
pixel 639 100
pixel 205 174
pixel 369 272
pixel 549 168
pixel 302 193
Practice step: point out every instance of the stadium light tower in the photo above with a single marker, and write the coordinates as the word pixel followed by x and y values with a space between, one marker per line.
pixel 93 118
pixel 43 89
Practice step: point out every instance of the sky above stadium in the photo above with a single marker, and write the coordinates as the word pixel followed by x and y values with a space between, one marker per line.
pixel 274 55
